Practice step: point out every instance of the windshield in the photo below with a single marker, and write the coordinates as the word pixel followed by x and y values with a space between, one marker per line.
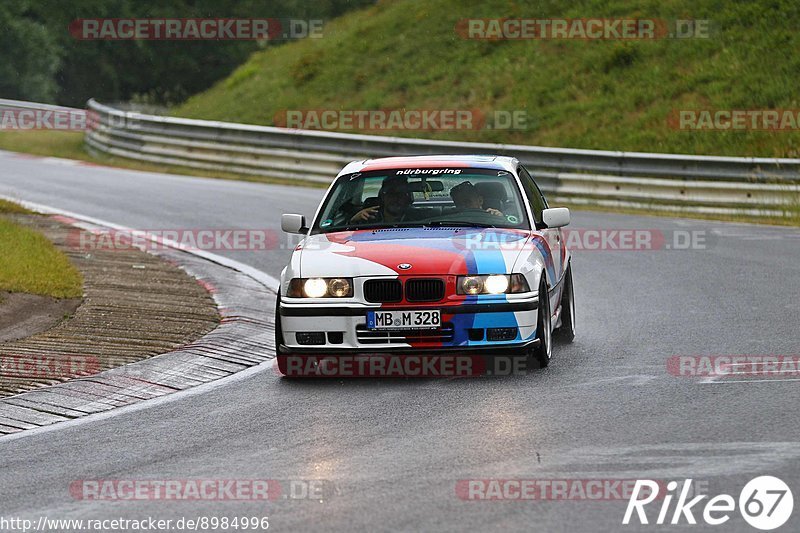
pixel 423 197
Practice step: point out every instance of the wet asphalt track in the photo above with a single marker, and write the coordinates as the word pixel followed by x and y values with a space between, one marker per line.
pixel 606 408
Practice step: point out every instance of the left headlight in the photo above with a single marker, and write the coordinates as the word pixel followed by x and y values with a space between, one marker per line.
pixel 491 284
pixel 321 287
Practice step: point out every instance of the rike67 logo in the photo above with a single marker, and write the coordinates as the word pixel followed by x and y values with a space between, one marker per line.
pixel 766 503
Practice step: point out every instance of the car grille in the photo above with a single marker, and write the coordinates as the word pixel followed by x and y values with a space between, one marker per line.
pixel 389 336
pixel 383 290
pixel 424 290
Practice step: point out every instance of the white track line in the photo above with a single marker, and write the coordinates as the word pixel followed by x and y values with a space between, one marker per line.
pixel 726 381
pixel 261 277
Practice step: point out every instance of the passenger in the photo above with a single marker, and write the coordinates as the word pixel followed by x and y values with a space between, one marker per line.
pixel 466 197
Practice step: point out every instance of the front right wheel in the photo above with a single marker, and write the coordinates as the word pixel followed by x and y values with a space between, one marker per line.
pixel 282 359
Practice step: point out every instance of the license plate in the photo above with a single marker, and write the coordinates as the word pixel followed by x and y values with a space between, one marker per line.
pixel 404 319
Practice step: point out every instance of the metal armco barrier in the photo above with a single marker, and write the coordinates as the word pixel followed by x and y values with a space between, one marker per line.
pixel 681 183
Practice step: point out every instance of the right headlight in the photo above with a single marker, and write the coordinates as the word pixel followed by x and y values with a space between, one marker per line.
pixel 491 284
pixel 321 287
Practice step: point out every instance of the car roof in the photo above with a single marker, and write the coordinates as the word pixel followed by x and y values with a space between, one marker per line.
pixel 430 161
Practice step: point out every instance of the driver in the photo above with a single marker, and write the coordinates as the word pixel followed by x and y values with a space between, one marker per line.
pixel 466 197
pixel 395 203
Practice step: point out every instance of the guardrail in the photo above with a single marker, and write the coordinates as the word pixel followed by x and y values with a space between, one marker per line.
pixel 701 184
pixel 20 104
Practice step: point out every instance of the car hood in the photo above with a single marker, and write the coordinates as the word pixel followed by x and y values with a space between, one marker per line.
pixel 428 251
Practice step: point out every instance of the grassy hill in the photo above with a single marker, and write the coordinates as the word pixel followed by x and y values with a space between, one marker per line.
pixel 586 94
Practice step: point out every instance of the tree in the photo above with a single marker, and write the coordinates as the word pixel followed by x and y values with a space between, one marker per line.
pixel 30 55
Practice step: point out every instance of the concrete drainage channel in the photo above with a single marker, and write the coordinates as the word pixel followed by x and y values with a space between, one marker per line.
pixel 243 340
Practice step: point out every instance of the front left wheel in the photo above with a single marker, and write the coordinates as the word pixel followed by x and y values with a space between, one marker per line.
pixel 566 332
pixel 540 356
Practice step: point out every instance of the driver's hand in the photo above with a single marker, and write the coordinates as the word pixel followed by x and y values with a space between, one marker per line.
pixel 365 214
pixel 494 212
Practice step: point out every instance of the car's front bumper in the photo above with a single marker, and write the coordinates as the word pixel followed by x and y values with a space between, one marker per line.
pixel 465 326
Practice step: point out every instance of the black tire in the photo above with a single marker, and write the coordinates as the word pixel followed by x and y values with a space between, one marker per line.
pixel 540 356
pixel 566 332
pixel 282 360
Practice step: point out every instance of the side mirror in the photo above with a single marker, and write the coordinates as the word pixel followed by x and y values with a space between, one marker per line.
pixel 556 217
pixel 293 223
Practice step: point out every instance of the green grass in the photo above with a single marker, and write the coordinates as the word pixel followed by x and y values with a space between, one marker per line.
pixel 7 207
pixel 31 263
pixel 582 94
pixel 64 144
